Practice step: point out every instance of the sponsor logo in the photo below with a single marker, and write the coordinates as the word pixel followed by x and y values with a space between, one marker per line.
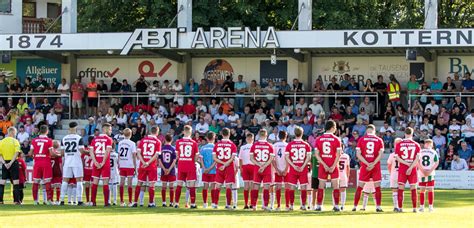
pixel 218 69
pixel 341 67
pixel 456 65
pixel 98 73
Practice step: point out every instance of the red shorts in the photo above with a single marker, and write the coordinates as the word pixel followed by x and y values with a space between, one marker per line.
pixel 72 181
pixel 87 175
pixel 57 180
pixel 168 178
pixel 227 175
pixel 279 179
pixel 127 172
pixel 187 175
pixel 247 172
pixel 208 178
pixel 145 175
pixel 103 172
pixel 323 175
pixel 375 174
pixel 294 177
pixel 427 184
pixel 265 176
pixel 403 177
pixel 42 171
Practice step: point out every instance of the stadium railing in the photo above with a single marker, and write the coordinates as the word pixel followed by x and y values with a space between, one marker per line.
pixel 269 96
pixel 441 95
pixel 39 98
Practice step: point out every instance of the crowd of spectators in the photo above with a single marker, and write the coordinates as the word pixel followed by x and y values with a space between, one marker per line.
pixel 446 120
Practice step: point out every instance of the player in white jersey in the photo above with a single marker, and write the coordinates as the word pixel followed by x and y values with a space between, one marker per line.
pixel 114 176
pixel 72 147
pixel 127 151
pixel 392 165
pixel 429 161
pixel 369 190
pixel 281 170
pixel 246 168
pixel 344 172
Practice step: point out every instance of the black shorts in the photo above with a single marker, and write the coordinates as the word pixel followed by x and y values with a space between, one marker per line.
pixel 314 183
pixel 13 173
pixel 92 101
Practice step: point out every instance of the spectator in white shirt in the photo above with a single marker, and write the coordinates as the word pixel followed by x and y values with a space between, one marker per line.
pixel 177 88
pixel 458 164
pixel 182 118
pixel 260 116
pixel 386 128
pixel 426 125
pixel 433 107
pixel 232 118
pixel 202 127
pixel 471 117
pixel 38 116
pixel 22 135
pixel 301 105
pixel 200 107
pixel 316 107
pixel 273 137
pixel 63 88
pixel 52 120
pixel 291 129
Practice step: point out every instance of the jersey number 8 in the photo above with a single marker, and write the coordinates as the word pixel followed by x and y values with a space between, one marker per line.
pixel 298 154
pixel 186 151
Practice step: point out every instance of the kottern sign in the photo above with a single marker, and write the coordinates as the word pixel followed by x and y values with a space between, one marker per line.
pixel 235 38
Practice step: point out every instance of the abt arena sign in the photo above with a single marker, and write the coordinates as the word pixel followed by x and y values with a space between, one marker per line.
pixel 236 37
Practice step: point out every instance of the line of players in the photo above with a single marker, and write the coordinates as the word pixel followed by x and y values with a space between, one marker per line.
pixel 262 165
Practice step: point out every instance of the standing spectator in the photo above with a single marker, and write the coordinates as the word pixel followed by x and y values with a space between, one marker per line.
pixel 140 87
pixel 449 85
pixel 63 88
pixel 203 87
pixel 369 86
pixel 284 88
pixel 28 86
pixel 297 86
pixel 240 88
pixel 15 86
pixel 353 85
pixel 413 86
pixel 40 85
pixel 115 86
pixel 468 86
pixel 77 93
pixel 154 90
pixel 3 87
pixel 102 87
pixel 318 86
pixel 393 90
pixel 228 85
pixel 457 82
pixel 436 87
pixel 381 87
pixel 191 87
pixel 465 152
pixel 254 88
pixel 126 88
pixel 345 81
pixel 333 87
pixel 166 89
pixel 177 88
pixel 90 127
pixel 92 97
pixel 458 164
pixel 21 106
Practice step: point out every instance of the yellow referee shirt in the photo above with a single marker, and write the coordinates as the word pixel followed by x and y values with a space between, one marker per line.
pixel 8 147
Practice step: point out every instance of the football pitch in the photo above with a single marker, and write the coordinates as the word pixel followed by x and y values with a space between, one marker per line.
pixel 452 207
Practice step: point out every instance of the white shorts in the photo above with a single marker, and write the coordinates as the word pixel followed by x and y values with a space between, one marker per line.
pixel 394 180
pixel 73 172
pixel 342 181
pixel 114 177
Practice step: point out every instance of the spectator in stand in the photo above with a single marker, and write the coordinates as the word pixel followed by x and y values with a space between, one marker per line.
pixel 458 116
pixel 22 135
pixel 457 81
pixel 282 90
pixel 297 86
pixel 115 86
pixel 254 88
pixel 260 116
pixel 202 127
pixel 141 86
pixel 29 126
pixel 368 87
pixel 21 106
pixel 58 108
pixel 393 90
pixel 203 87
pixel 92 97
pixel 316 107
pixel 333 87
pixel 126 88
pixel 63 88
pixel 271 90
pixel 15 86
pixel 465 152
pixel 458 164
pixel 77 90
pixel 40 85
pixel 318 127
pixel 165 127
pixel 52 121
pixel 449 85
pixel 215 86
pixel 166 89
pixel 191 87
pixel 426 125
pixel 459 104
pixel 246 117
pixel 363 116
pixel 4 124
pixel 38 116
pixel 301 104
pixel 214 127
pixel 353 86
pixel 381 88
pixel 233 118
pixel 471 163
pixel 228 85
pixel 318 86
pixel 240 88
pixel 25 116
pixel 177 88
pixel 189 109
pixel 349 118
pixel 433 107
pixel 351 151
pixel 221 116
pixel 28 86
pixel 90 127
pixel 413 86
pixel 288 107
pixel 435 88
pixel 345 82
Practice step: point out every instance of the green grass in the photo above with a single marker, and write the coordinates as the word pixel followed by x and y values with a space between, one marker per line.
pixel 452 207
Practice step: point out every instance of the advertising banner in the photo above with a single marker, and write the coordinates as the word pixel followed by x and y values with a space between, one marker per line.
pixel 49 69
pixel 443 179
pixel 448 65
pixel 8 69
pixel 275 73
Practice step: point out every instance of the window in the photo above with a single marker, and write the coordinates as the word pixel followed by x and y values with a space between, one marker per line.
pixel 29 9
pixel 54 10
pixel 5 6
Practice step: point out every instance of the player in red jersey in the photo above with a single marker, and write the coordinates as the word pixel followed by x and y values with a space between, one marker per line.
pixel 262 155
pixel 407 155
pixel 87 165
pixel 188 152
pixel 22 176
pixel 328 150
pixel 224 154
pixel 100 154
pixel 57 165
pixel 147 151
pixel 298 155
pixel 369 149
pixel 42 150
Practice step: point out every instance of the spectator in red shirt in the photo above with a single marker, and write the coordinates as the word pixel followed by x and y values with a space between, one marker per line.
pixel 25 116
pixel 177 107
pixel 128 108
pixel 189 108
pixel 77 93
pixel 335 115
pixel 22 175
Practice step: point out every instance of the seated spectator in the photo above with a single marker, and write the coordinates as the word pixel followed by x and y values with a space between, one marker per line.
pixel 307 128
pixel 21 106
pixel 335 115
pixel 38 116
pixel 285 119
pixel 439 142
pixel 454 127
pixel 246 117
pixel 189 109
pixel 182 118
pixel 368 106
pixel 467 130
pixel 433 107
pixel 266 125
pixel 13 116
pixel 318 127
pixel 471 163
pixel 214 127
pixel 316 107
pixel 349 118
pixel 221 116
pixel 388 140
pixel 363 116
pixel 280 126
pixel 232 118
pixel 457 116
pixel 91 127
pixel 458 164
pixel 165 127
pixel 191 87
pixel 288 107
pixel 426 125
pixel 298 117
pixel 213 107
pixel 260 116
pixel 351 151
pixel 202 127
pixel 465 152
pixel 273 137
pixel 52 121
pixel 459 104
pixel 301 104
pixel 254 127
pixel 291 130
pixel 353 105
pixel 359 127
pixel 22 135
pixel 254 87
pixel 226 106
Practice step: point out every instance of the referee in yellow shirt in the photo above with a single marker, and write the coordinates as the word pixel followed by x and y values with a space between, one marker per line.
pixel 9 150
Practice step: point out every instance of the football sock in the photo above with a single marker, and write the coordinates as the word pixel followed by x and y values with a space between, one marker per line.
pixel 2 191
pixel 343 197
pixel 192 194
pixel 63 190
pixel 253 197
pixel 430 198
pixel 378 196
pixel 217 195
pixel 395 199
pixel 34 190
pixel 336 194
pixel 74 194
pixel 186 195
pixel 400 198
pixel 163 195
pixel 58 194
pixel 130 193
pixel 43 190
pixel 272 199
pixel 178 193
pixel 16 193
pixel 310 199
pixel 80 190
pixel 228 196
pixel 93 193
pixel 291 193
pixel 304 196
pixel 151 194
pixel 122 189
pixel 22 194
pixel 49 192
pixel 365 201
pixel 246 197
pixel 141 197
pixel 266 197
pixel 320 196
pixel 69 193
pixel 137 193
pixel 106 191
pixel 171 194
pixel 422 199
pixel 88 188
pixel 414 197
pixel 358 193
pixel 287 198
pixel 114 192
pixel 278 197
pixel 235 197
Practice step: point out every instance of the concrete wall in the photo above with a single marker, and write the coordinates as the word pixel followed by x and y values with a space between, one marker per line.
pixel 42 9
pixel 12 22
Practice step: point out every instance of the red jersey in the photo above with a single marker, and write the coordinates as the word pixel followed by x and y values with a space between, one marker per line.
pixel 57 164
pixel 87 161
pixel 224 150
pixel 99 145
pixel 22 170
pixel 327 145
pixel 370 146
pixel 407 150
pixel 262 151
pixel 186 150
pixel 298 150
pixel 148 147
pixel 41 147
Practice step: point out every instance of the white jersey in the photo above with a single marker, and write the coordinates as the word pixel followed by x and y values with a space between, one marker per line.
pixel 244 154
pixel 394 164
pixel 72 145
pixel 427 161
pixel 344 162
pixel 114 172
pixel 279 148
pixel 126 150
